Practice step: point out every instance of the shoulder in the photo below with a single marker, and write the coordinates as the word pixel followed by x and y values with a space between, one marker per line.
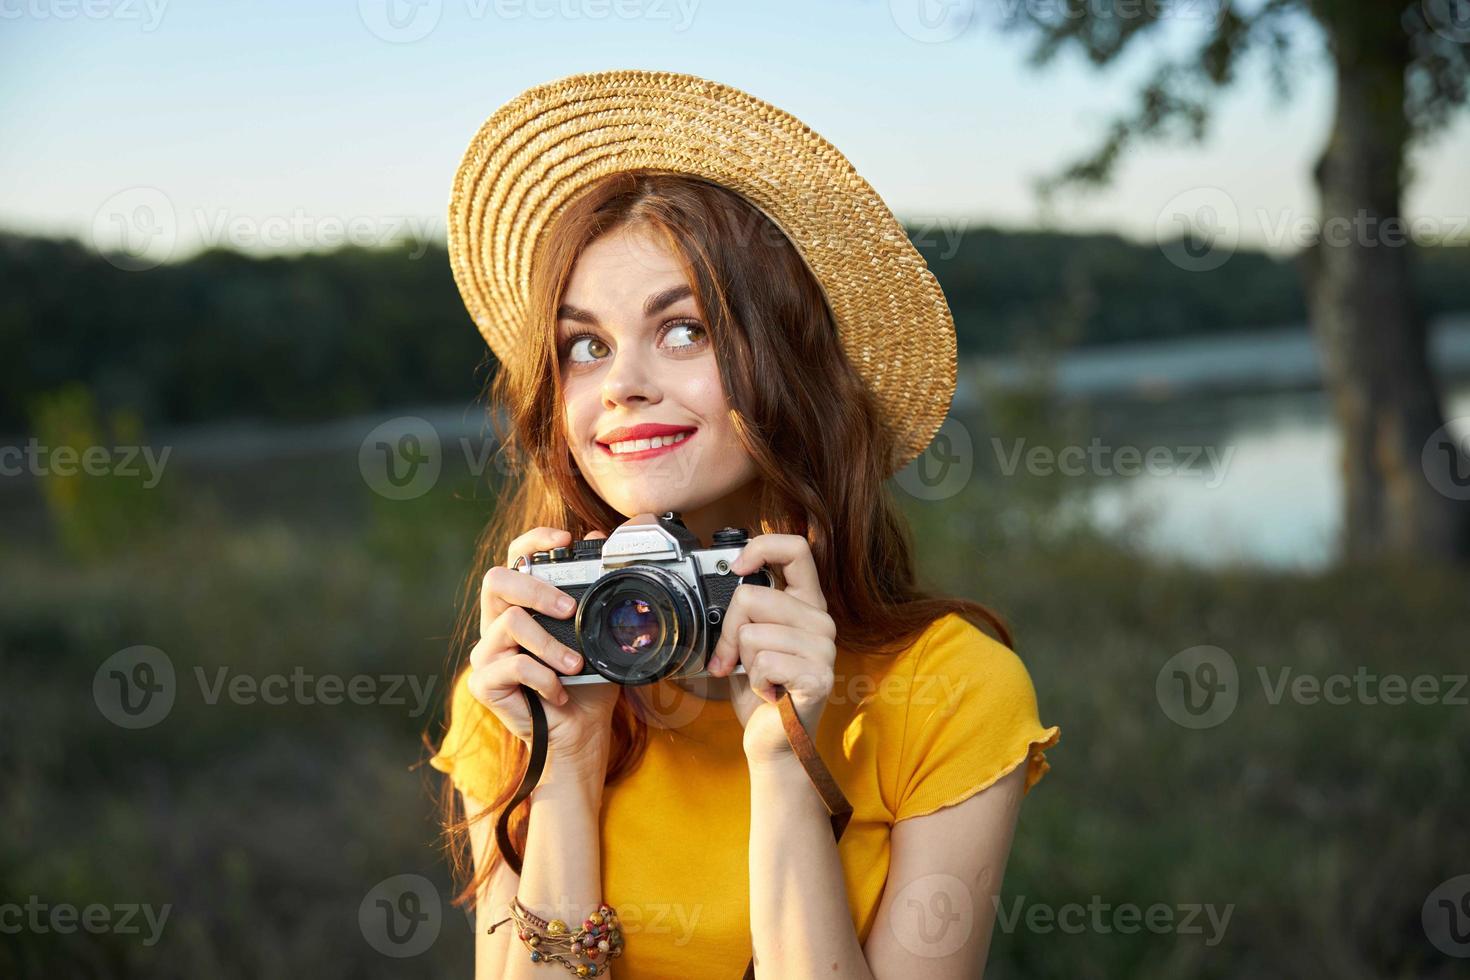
pixel 972 716
pixel 977 665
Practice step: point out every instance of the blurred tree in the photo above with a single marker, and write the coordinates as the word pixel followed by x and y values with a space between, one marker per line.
pixel 1400 73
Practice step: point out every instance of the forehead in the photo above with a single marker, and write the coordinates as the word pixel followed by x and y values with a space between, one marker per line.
pixel 622 267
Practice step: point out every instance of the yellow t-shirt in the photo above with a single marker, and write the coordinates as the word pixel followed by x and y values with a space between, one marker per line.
pixel 902 735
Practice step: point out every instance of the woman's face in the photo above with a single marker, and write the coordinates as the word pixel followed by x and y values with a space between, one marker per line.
pixel 646 413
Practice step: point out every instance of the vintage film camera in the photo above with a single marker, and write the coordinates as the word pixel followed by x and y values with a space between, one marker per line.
pixel 650 600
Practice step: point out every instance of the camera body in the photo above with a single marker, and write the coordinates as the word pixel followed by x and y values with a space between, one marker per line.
pixel 650 600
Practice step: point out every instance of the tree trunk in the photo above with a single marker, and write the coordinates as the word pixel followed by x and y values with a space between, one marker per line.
pixel 1372 337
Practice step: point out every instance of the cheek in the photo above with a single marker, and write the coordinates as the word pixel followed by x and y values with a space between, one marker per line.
pixel 580 408
pixel 702 393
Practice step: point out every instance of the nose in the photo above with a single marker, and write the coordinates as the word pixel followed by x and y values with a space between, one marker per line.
pixel 629 381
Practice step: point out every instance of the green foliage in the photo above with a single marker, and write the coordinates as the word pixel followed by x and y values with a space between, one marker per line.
pixel 101 487
pixel 317 336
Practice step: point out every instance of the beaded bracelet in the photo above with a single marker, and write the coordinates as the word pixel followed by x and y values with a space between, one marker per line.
pixel 597 943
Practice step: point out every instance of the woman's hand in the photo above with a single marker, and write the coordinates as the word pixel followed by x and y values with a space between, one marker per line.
pixel 577 716
pixel 783 637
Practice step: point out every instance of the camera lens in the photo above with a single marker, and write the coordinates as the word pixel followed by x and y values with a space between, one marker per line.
pixel 634 625
pixel 638 624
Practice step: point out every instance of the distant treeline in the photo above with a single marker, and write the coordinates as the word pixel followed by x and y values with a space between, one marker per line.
pixel 227 335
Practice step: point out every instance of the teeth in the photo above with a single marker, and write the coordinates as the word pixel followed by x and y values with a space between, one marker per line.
pixel 635 445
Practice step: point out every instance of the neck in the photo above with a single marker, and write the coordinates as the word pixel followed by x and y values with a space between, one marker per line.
pixel 736 509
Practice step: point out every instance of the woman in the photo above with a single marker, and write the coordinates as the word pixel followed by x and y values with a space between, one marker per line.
pixel 699 306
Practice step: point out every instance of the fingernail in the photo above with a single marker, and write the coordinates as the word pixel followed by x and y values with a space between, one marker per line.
pixel 566 604
pixel 570 660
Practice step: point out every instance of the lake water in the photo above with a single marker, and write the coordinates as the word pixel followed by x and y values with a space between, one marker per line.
pixel 1276 499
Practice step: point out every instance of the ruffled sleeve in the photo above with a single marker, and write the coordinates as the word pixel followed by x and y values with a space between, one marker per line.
pixel 470 751
pixel 972 718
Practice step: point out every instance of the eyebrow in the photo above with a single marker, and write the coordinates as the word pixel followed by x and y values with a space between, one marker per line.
pixel 654 304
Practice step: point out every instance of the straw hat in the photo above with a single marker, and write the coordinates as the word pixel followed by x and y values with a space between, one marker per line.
pixel 540 149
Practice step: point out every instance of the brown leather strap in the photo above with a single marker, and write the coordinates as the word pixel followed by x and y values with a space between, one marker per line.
pixel 816 770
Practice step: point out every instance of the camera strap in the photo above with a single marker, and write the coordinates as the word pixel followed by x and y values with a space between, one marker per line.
pixel 801 744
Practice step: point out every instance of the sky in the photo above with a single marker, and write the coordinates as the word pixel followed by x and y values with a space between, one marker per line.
pixel 291 125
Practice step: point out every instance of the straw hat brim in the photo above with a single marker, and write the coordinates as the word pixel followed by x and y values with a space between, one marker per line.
pixel 538 151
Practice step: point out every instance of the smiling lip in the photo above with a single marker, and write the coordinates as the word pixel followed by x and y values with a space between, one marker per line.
pixel 647 430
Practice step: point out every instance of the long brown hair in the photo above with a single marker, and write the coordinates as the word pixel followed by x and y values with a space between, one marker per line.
pixel 796 403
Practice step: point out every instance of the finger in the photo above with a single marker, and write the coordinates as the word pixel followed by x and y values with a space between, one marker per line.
pixel 763 604
pixel 536 539
pixel 769 670
pixel 793 556
pixel 499 679
pixel 502 588
pixel 781 638
pixel 516 628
